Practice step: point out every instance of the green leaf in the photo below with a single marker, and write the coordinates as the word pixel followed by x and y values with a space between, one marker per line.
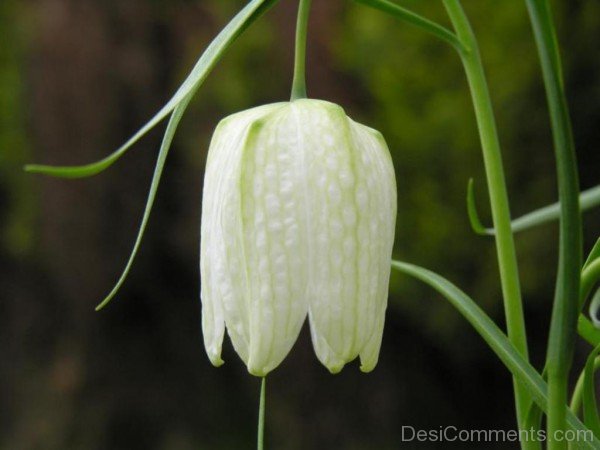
pixel 590 408
pixel 476 224
pixel 575 403
pixel 203 67
pixel 594 307
pixel 533 419
pixel 416 20
pixel 590 275
pixel 594 254
pixel 497 341
pixel 588 331
pixel 160 163
pixel 588 199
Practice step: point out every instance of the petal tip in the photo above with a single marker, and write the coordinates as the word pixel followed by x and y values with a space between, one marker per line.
pixel 214 356
pixel 258 371
pixel 335 368
pixel 366 368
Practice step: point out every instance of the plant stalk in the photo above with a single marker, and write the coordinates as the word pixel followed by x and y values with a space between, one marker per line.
pixel 505 247
pixel 260 440
pixel 299 83
pixel 565 309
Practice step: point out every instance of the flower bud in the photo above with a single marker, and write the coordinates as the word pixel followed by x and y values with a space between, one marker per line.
pixel 298 218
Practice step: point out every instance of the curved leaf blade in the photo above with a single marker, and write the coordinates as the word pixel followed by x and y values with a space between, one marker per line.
pixel 474 219
pixel 593 255
pixel 415 19
pixel 576 398
pixel 588 199
pixel 590 275
pixel 498 342
pixel 588 331
pixel 594 308
pixel 590 408
pixel 200 71
pixel 160 163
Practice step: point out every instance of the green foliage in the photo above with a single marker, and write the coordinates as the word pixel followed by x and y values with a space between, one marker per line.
pixel 411 86
pixel 428 122
pixel 187 89
pixel 588 199
pixel 590 409
pixel 500 344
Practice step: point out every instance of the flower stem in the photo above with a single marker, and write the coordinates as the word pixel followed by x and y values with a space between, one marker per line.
pixel 260 441
pixel 507 259
pixel 565 310
pixel 299 83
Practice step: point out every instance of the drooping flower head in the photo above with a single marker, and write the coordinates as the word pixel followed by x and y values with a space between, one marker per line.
pixel 298 218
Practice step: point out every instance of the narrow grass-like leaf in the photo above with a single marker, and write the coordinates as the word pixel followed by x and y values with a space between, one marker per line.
pixel 497 191
pixel 160 163
pixel 590 275
pixel 474 219
pixel 575 404
pixel 533 420
pixel 593 255
pixel 566 305
pixel 588 199
pixel 590 408
pixel 498 342
pixel 588 331
pixel 203 67
pixel 416 20
pixel 594 308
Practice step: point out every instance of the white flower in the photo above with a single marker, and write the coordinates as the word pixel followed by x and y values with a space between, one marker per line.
pixel 298 217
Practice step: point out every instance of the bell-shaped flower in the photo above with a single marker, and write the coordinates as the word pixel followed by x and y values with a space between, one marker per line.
pixel 298 218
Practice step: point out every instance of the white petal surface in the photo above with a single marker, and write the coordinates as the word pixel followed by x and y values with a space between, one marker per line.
pixel 223 285
pixel 382 233
pixel 275 229
pixel 352 206
pixel 298 217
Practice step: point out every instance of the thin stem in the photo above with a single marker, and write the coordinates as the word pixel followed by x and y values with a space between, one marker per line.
pixel 557 398
pixel 565 310
pixel 507 259
pixel 299 83
pixel 414 19
pixel 261 416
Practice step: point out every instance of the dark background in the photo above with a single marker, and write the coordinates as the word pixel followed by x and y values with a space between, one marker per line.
pixel 77 77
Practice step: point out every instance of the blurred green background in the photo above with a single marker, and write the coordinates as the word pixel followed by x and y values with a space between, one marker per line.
pixel 77 77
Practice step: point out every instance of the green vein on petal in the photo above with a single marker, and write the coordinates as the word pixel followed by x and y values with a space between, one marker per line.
pixel 203 67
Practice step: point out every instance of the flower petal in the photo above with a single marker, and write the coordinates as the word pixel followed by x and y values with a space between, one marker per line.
pixel 275 234
pixel 223 287
pixel 369 355
pixel 352 208
pixel 376 158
